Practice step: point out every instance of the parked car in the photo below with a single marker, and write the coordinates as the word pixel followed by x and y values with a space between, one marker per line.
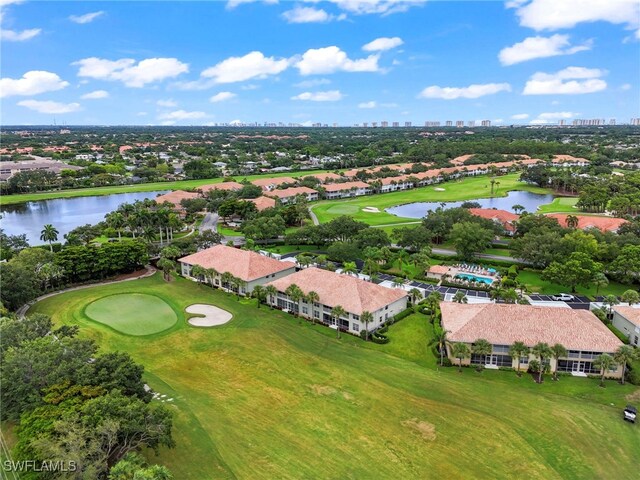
pixel 630 414
pixel 563 297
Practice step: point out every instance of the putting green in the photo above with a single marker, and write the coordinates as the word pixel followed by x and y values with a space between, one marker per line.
pixel 342 209
pixel 133 313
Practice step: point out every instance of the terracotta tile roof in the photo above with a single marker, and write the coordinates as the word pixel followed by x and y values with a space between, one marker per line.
pixel 323 177
pixel 503 324
pixel 605 224
pixel 243 264
pixel 353 294
pixel 568 158
pixel 234 186
pixel 267 182
pixel 291 192
pixel 630 313
pixel 338 187
pixel 262 203
pixel 505 218
pixel 391 180
pixel 175 197
pixel 439 269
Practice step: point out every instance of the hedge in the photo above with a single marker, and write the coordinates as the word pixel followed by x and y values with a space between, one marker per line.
pixel 403 314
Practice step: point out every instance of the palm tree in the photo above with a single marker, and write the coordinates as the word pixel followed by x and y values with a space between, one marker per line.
pixel 259 293
pixel 371 266
pixel 460 351
pixel 199 272
pixel 600 280
pixel 604 362
pixel 416 295
pixel 321 260
pixel 238 283
pixel 558 351
pixel 611 301
pixel 336 313
pixel 350 268
pixel 116 221
pixel 397 282
pixel 518 350
pixel 226 279
pixel 631 297
pixel 441 341
pixel 295 294
pixel 366 317
pixel 49 234
pixel 624 355
pixel 402 258
pixel 211 274
pixel 517 208
pixel 542 351
pixel 311 298
pixel 304 260
pixel 167 265
pixel 572 221
pixel 271 292
pixel 482 347
pixel 460 297
pixel 433 301
pixel 493 183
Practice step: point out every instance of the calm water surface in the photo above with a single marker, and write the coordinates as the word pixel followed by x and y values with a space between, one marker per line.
pixel 63 213
pixel 530 202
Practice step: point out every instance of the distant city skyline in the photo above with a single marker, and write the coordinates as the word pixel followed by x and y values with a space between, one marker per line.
pixel 333 63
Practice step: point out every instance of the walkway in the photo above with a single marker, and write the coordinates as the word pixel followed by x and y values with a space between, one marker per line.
pixel 149 270
pixel 209 222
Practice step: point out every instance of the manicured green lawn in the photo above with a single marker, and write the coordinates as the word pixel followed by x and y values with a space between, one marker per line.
pixel 532 279
pixel 133 313
pixel 292 248
pixel 465 189
pixel 560 205
pixel 271 396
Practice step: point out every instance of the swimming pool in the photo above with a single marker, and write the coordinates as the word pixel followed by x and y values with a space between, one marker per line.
pixel 476 278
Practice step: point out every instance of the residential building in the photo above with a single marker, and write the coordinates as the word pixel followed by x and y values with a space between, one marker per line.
pixel 248 266
pixel 437 271
pixel 289 195
pixel 579 331
pixel 347 189
pixel 392 184
pixel 262 203
pixel 604 224
pixel 325 177
pixel 627 320
pixel 506 219
pixel 229 186
pixel 9 169
pixel 354 295
pixel 175 198
pixel 268 184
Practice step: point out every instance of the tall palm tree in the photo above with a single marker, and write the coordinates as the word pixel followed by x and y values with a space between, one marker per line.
pixel 482 347
pixel 271 292
pixel 604 362
pixel 416 295
pixel 433 301
pixel 336 313
pixel 259 293
pixel 304 260
pixel 600 280
pixel 167 266
pixel 402 257
pixel 460 351
pixel 611 301
pixel 624 355
pixel 238 283
pixel 226 279
pixel 572 221
pixel 518 350
pixel 211 274
pixel 397 282
pixel 312 298
pixel 116 221
pixel 441 341
pixel 366 317
pixel 49 234
pixel 460 297
pixel 295 294
pixel 350 268
pixel 557 351
pixel 371 266
pixel 199 272
pixel 517 208
pixel 542 351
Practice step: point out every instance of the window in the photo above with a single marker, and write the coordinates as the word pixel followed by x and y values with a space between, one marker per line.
pixel 356 317
pixel 387 307
pixel 524 360
pixel 316 314
pixel 355 327
pixel 305 310
pixel 501 348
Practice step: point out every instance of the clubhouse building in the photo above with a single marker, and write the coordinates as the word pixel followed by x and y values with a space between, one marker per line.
pixel 354 295
pixel 627 320
pixel 579 331
pixel 249 267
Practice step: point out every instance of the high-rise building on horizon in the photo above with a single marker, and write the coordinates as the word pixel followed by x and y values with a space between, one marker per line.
pixel 486 123
pixel 395 124
pixel 407 124
pixel 384 124
pixel 449 123
pixel 635 121
pixel 471 123
pixel 459 123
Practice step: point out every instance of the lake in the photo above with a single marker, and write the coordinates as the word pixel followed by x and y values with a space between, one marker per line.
pixel 530 202
pixel 63 213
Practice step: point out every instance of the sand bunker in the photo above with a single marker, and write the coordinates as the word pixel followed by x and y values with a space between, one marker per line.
pixel 212 316
pixel 371 209
pixel 439 189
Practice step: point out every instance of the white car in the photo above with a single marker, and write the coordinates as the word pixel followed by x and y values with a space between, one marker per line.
pixel 563 297
pixel 630 414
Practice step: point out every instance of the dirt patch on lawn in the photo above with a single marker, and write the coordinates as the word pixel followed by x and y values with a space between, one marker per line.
pixel 425 429
pixel 323 390
pixel 633 396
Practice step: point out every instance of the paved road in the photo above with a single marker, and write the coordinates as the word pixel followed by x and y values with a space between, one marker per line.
pixel 209 222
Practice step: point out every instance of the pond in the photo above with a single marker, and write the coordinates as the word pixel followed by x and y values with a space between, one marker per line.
pixel 64 214
pixel 530 202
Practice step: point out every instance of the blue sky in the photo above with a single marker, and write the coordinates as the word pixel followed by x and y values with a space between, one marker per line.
pixel 342 61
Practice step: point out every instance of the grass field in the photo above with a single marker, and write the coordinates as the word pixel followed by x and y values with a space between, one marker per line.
pixel 560 205
pixel 465 189
pixel 534 283
pixel 271 396
pixel 133 313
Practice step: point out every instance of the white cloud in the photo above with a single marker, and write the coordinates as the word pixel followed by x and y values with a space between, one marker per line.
pixel 86 18
pixel 314 82
pixel 382 44
pixel 570 81
pixel 95 95
pixel 520 116
pixel 31 83
pixel 552 117
pixel 231 4
pixel 371 104
pixel 300 14
pixel 13 36
pixel 222 96
pixel 626 86
pixel 382 7
pixel 472 91
pixel 555 15
pixel 332 59
pixel 239 69
pixel 129 72
pixel 328 96
pixel 48 106
pixel 540 47
pixel 249 87
pixel 178 115
pixel 141 114
pixel 169 103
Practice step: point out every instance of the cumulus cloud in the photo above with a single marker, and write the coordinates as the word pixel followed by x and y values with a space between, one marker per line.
pixel 31 83
pixel 231 4
pixel 472 91
pixel 222 96
pixel 554 15
pixel 251 65
pixel 552 117
pixel 371 104
pixel 169 103
pixel 86 18
pixel 300 14
pixel 328 96
pixel 95 95
pixel 9 35
pixel 540 47
pixel 381 7
pixel 382 44
pixel 127 71
pixel 47 106
pixel 570 81
pixel 332 59
pixel 178 115
pixel 520 116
